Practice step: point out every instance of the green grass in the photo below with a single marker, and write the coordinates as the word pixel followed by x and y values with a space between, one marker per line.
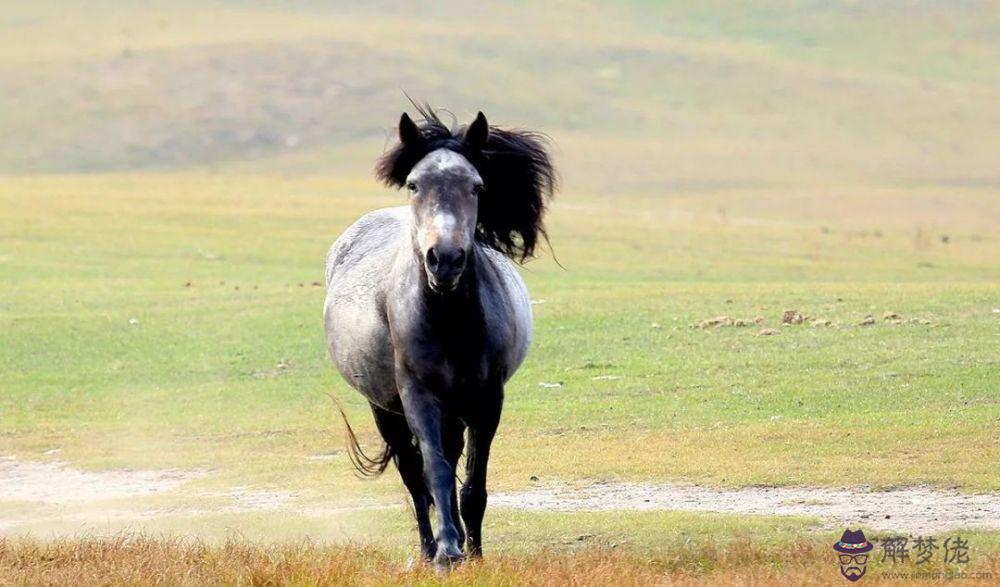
pixel 234 364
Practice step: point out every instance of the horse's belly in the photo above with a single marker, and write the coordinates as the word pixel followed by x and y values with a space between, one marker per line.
pixel 361 350
pixel 356 329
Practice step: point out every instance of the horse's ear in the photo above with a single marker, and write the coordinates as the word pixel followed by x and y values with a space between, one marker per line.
pixel 478 132
pixel 408 132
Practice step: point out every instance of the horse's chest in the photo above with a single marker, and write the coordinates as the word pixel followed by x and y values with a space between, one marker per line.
pixel 449 348
pixel 449 368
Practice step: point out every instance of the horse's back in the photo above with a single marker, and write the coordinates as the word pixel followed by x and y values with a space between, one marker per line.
pixel 356 328
pixel 371 239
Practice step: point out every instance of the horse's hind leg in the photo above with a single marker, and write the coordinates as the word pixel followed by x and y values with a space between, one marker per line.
pixel 396 432
pixel 481 432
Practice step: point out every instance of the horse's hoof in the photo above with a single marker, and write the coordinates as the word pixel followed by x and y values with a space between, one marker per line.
pixel 447 558
pixel 427 554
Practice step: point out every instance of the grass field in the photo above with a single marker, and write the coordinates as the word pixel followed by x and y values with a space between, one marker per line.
pixel 227 355
pixel 223 369
pixel 174 175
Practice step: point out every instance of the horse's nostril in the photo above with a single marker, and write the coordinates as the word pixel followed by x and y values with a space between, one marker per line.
pixel 460 258
pixel 432 259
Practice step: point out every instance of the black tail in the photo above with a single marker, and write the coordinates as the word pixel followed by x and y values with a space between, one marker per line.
pixel 365 465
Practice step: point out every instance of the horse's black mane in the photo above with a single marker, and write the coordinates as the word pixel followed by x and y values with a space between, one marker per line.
pixel 517 173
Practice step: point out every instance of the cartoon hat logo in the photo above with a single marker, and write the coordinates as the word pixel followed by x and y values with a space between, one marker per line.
pixel 853 548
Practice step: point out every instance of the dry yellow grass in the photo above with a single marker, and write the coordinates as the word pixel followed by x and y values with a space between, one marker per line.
pixel 138 560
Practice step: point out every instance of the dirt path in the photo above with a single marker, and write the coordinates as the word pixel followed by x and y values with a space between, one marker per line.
pixel 55 483
pixel 917 510
pixel 912 510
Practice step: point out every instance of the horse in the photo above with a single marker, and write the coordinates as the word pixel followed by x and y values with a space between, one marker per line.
pixel 427 317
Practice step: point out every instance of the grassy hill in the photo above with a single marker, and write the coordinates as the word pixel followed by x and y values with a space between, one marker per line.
pixel 641 97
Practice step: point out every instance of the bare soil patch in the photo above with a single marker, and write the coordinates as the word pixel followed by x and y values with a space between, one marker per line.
pixel 57 483
pixel 915 510
pixel 80 495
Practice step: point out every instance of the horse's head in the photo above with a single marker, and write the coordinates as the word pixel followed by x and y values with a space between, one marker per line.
pixel 444 191
pixel 467 185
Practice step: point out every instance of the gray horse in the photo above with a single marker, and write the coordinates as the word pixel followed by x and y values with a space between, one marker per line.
pixel 427 316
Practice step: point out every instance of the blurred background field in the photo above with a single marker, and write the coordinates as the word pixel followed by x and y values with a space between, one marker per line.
pixel 644 97
pixel 173 173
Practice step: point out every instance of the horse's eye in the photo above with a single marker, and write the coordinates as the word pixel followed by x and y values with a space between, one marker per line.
pixel 412 187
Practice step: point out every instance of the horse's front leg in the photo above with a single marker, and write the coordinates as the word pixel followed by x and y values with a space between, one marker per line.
pixel 396 432
pixel 423 414
pixel 482 428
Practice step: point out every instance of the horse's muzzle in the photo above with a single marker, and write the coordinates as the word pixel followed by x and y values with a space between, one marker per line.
pixel 444 267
